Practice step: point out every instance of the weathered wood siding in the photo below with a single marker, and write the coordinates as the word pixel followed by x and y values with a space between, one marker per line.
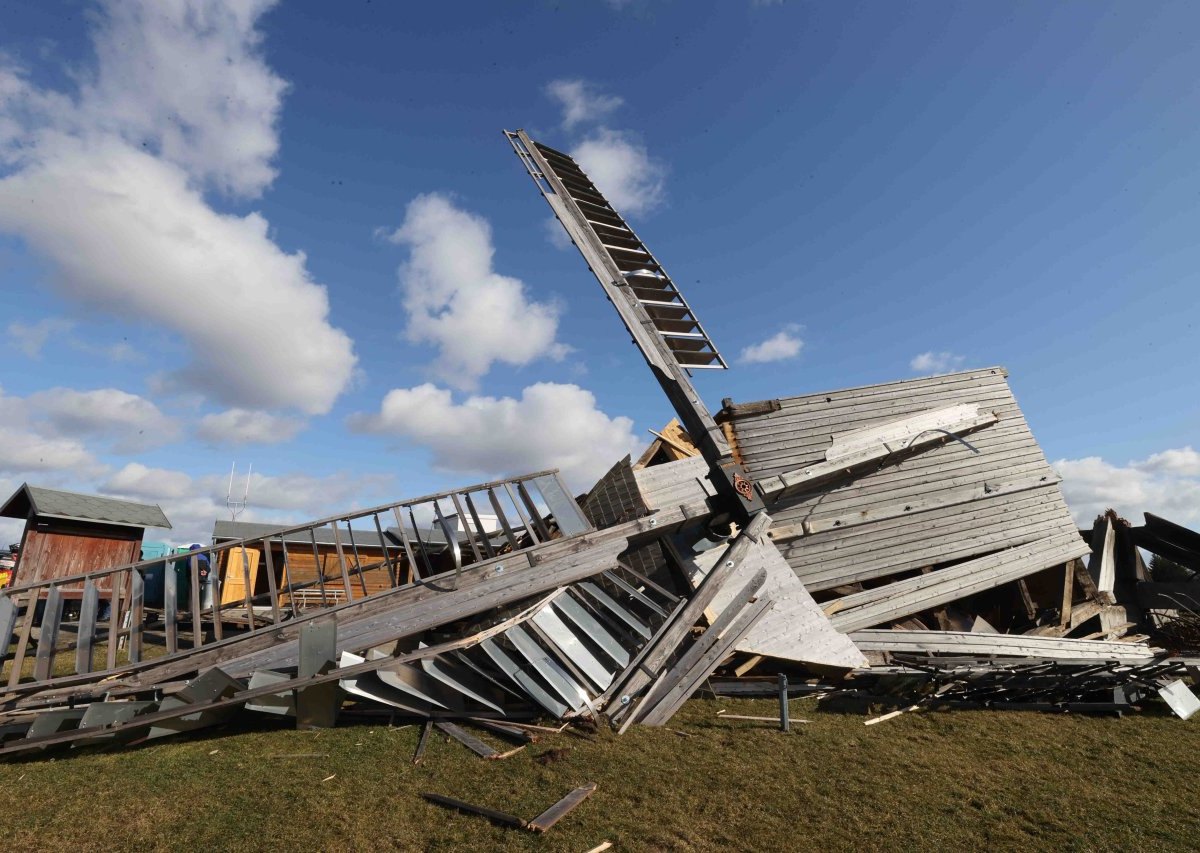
pixel 60 549
pixel 897 518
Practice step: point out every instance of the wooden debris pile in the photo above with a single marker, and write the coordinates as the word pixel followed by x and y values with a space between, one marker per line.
pixel 905 540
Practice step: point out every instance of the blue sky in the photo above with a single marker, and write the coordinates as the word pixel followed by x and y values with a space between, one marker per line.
pixel 292 234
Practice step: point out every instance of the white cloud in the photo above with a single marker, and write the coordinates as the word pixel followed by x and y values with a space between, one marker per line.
pixel 549 426
pixel 1183 461
pixel 243 426
pixel 192 504
pixel 458 302
pixel 44 431
pixel 936 362
pixel 26 451
pixel 137 482
pixel 129 422
pixel 623 170
pixel 1166 484
pixel 31 338
pixel 109 186
pixel 188 79
pixel 779 347
pixel 581 101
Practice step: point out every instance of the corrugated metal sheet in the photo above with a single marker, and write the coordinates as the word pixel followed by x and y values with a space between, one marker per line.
pixel 1007 492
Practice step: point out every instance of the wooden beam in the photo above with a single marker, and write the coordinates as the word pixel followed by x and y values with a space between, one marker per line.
pixel 673 632
pixel 559 810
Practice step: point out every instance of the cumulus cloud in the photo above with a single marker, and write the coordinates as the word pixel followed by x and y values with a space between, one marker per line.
pixel 779 347
pixel 936 362
pixel 1166 483
pixel 550 426
pixel 23 450
pixel 456 300
pixel 53 422
pixel 1183 461
pixel 108 183
pixel 31 338
pixel 193 503
pixel 581 101
pixel 245 426
pixel 188 79
pixel 623 170
pixel 136 481
pixel 129 422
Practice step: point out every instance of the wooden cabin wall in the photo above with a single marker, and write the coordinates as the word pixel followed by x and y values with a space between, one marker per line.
pixel 305 567
pixel 56 550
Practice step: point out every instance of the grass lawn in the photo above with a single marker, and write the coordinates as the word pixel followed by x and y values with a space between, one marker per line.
pixel 934 781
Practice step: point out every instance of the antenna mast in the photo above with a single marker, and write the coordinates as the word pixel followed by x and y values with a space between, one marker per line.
pixel 236 506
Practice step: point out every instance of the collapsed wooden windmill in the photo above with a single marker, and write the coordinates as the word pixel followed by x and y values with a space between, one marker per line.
pixel 811 532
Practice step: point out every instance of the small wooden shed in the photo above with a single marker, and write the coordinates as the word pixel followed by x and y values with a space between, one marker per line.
pixel 68 533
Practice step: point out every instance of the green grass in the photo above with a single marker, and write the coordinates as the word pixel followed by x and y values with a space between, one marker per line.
pixel 941 780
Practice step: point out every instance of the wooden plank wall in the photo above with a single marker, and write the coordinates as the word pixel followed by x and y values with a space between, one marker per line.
pixel 61 552
pixel 918 530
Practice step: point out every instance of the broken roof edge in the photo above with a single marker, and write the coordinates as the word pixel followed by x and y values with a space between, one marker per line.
pixel 40 501
pixel 731 410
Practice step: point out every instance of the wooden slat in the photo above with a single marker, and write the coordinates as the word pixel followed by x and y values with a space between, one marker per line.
pixel 248 586
pixel 504 525
pixel 272 587
pixel 562 808
pixel 47 646
pixel 485 537
pixel 984 644
pixel 116 597
pixel 88 605
pixel 467 527
pixel 8 622
pixel 683 667
pixel 674 631
pixel 393 575
pixel 903 598
pixel 491 814
pixel 516 502
pixel 18 661
pixel 1068 595
pixel 197 622
pixel 467 739
pixel 137 614
pixel 662 712
pixel 171 605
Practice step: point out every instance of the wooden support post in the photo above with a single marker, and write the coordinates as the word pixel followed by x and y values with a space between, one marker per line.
pixel 1027 600
pixel 171 605
pixel 137 614
pixel 197 623
pixel 48 635
pixel 1068 598
pixel 419 755
pixel 114 618
pixel 785 722
pixel 87 628
pixel 559 810
pixel 272 587
pixel 18 661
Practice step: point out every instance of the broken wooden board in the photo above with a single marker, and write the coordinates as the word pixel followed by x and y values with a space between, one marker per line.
pixel 873 607
pixel 966 644
pixel 796 628
pixel 562 808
